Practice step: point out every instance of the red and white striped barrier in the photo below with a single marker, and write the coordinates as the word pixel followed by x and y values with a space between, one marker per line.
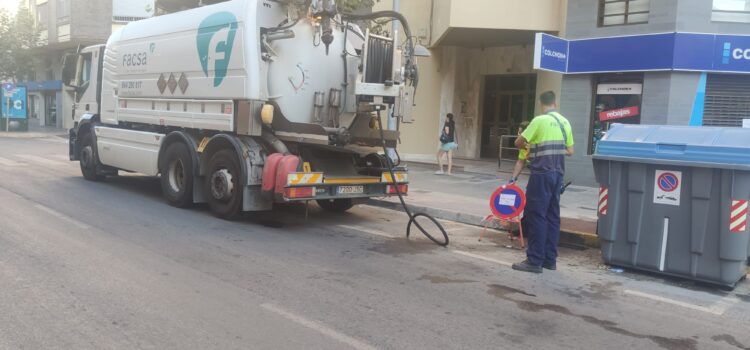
pixel 738 216
pixel 603 197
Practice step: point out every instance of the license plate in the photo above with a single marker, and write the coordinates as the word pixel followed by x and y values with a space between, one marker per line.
pixel 351 189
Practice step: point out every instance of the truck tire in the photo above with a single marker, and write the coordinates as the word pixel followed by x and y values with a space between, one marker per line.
pixel 89 159
pixel 177 175
pixel 223 185
pixel 336 205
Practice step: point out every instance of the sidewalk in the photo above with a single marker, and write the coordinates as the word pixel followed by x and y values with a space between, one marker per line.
pixel 35 131
pixel 464 197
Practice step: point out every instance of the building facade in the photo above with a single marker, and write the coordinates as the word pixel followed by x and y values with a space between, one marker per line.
pixel 64 26
pixel 480 70
pixel 697 80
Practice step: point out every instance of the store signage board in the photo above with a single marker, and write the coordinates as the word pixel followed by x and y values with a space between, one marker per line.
pixel 14 106
pixel 619 89
pixel 650 52
pixel 550 53
pixel 619 113
pixel 623 53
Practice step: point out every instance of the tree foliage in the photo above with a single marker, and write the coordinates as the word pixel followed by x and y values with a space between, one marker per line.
pixel 349 6
pixel 18 37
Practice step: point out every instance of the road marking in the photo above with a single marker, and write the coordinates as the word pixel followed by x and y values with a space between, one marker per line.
pixel 40 160
pixel 367 230
pixel 62 216
pixel 9 162
pixel 61 157
pixel 477 256
pixel 717 309
pixel 320 328
pixel 54 139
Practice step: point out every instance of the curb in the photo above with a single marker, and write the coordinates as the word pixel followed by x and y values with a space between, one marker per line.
pixel 568 237
pixel 30 135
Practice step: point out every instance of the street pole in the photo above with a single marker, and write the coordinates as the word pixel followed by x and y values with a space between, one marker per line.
pixel 7 114
pixel 392 121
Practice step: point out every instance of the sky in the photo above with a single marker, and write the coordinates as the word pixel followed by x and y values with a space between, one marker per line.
pixel 9 5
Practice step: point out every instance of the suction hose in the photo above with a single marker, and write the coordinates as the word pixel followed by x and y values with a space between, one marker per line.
pixel 412 217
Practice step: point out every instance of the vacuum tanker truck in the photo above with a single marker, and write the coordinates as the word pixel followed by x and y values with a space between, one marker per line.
pixel 246 103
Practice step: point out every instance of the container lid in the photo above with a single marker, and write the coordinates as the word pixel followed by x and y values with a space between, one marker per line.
pixel 677 144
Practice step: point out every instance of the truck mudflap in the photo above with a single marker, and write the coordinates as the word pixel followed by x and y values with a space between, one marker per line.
pixel 305 186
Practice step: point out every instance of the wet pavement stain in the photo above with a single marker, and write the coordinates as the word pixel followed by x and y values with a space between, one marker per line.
pixel 505 292
pixel 729 340
pixel 442 279
pixel 600 291
pixel 399 247
pixel 501 291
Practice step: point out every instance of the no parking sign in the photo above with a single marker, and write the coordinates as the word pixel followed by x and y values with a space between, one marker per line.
pixel 667 187
pixel 507 201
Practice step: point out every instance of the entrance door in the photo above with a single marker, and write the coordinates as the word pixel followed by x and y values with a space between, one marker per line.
pixel 50 106
pixel 508 100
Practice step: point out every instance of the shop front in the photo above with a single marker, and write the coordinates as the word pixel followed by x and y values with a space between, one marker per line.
pixel 660 79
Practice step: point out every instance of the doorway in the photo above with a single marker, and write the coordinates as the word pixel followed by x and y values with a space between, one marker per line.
pixel 508 101
pixel 50 106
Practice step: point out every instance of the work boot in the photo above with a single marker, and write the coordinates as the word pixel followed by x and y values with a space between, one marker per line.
pixel 550 266
pixel 526 266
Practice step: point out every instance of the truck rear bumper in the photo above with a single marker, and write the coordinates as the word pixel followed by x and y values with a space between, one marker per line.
pixel 342 188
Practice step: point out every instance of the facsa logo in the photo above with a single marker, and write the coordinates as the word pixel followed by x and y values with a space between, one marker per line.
pixel 215 41
pixel 736 53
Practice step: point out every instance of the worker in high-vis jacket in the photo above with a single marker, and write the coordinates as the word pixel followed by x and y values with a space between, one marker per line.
pixel 549 139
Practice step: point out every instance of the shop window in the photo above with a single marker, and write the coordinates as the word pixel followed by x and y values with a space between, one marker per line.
pixel 42 15
pixel 617 99
pixel 731 11
pixel 63 11
pixel 727 100
pixel 621 12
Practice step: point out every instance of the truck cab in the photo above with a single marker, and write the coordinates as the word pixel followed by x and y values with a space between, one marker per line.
pixel 83 72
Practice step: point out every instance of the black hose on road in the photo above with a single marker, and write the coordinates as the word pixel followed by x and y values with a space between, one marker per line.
pixel 412 217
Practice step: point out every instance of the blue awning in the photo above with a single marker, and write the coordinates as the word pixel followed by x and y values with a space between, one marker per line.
pixel 44 85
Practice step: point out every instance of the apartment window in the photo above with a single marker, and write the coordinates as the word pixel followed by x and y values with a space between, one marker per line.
pixel 42 15
pixel 620 12
pixel 63 11
pixel 731 11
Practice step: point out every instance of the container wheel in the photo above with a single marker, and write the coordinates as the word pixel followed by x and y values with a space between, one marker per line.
pixel 223 185
pixel 176 171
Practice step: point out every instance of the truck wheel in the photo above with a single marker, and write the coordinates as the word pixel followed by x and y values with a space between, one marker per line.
pixel 336 205
pixel 223 185
pixel 177 175
pixel 89 160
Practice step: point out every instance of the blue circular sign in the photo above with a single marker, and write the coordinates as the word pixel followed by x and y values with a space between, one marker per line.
pixel 668 182
pixel 508 201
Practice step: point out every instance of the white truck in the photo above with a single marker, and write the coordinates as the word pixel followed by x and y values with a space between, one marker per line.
pixel 244 104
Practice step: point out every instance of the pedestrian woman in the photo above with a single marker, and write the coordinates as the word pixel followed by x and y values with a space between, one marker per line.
pixel 447 144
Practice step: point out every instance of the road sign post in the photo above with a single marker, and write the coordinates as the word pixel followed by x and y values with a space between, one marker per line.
pixel 506 204
pixel 8 93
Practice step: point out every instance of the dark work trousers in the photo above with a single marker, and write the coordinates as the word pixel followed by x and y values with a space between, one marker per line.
pixel 542 217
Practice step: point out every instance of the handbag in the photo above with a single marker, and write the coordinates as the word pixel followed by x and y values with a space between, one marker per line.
pixel 443 137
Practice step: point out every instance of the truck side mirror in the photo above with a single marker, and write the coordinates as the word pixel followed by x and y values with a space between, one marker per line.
pixel 70 63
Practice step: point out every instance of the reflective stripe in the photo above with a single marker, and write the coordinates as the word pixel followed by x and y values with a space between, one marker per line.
pixel 304 178
pixel 550 152
pixel 548 148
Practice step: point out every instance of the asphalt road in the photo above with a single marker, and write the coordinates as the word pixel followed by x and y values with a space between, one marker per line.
pixel 110 266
